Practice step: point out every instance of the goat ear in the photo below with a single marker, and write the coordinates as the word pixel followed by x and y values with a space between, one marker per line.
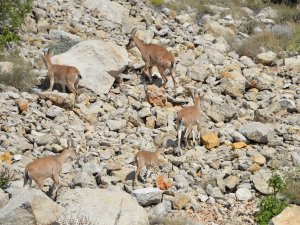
pixel 133 32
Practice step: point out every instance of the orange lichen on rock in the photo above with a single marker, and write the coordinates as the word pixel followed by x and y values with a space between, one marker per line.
pixel 23 106
pixel 156 96
pixel 6 157
pixel 162 184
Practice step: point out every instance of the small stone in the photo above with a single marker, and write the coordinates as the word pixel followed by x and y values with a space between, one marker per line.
pixel 259 159
pixel 231 182
pixel 148 196
pixel 254 168
pixel 266 58
pixel 210 140
pixel 243 194
pixel 257 131
pixel 182 201
pixel 260 181
pixel 54 111
pixel 239 145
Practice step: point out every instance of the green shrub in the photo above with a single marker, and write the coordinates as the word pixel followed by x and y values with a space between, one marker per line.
pixel 21 76
pixel 12 15
pixel 62 46
pixel 270 206
pixel 5 178
pixel 291 190
pixel 157 2
pixel 293 44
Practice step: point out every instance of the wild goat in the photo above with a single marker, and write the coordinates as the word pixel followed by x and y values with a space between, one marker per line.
pixel 148 159
pixel 188 117
pixel 64 75
pixel 154 55
pixel 48 166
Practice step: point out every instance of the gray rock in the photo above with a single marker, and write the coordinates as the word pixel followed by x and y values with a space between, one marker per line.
pixel 256 131
pixel 59 35
pixel 296 158
pixel 234 87
pixel 237 136
pixel 102 207
pixel 214 191
pixel 116 125
pixel 162 208
pixel 84 179
pixel 260 181
pixel 39 203
pixel 288 104
pixel 181 182
pixel 266 58
pixel 91 167
pixel 108 11
pixel 243 194
pixel 54 111
pixel 148 196
pixel 231 182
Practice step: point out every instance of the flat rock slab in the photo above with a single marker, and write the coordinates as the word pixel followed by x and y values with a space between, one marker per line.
pixel 102 207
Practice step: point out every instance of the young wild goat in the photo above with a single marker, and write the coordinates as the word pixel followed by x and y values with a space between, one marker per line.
pixel 48 166
pixel 148 159
pixel 154 55
pixel 64 75
pixel 188 117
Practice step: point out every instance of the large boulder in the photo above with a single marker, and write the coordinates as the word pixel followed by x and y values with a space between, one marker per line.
pixel 289 216
pixel 30 207
pixel 102 206
pixel 99 62
pixel 258 132
pixel 108 10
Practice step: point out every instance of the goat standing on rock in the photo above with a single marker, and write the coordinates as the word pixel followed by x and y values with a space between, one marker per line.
pixel 148 159
pixel 64 75
pixel 154 55
pixel 188 117
pixel 48 166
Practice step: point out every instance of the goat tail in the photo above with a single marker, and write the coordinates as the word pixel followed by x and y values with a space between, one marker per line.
pixel 26 178
pixel 173 66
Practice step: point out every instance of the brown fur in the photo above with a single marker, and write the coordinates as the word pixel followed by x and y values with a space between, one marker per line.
pixel 188 116
pixel 45 167
pixel 64 75
pixel 148 159
pixel 154 55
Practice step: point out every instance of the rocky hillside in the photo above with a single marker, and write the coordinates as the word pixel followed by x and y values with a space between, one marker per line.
pixel 250 124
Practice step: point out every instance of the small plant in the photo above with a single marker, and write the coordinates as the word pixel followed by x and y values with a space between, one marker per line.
pixel 292 186
pixel 5 177
pixel 270 206
pixel 157 2
pixel 12 15
pixel 62 46
pixel 21 76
